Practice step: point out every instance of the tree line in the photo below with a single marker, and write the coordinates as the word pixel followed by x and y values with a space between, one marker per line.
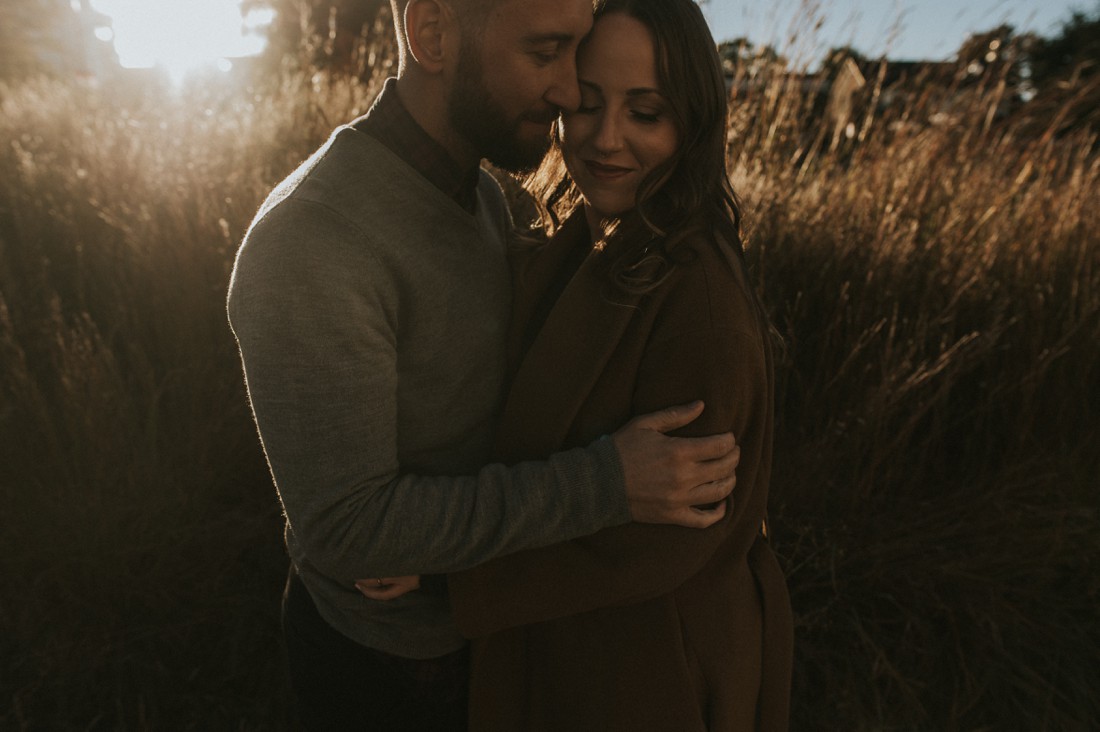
pixel 1051 75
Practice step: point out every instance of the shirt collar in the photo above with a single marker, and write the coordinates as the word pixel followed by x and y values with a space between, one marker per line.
pixel 389 122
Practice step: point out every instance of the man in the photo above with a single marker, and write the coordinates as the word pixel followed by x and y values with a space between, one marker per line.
pixel 370 300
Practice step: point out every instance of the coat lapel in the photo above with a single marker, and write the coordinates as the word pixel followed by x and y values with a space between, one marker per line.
pixel 567 356
pixel 533 276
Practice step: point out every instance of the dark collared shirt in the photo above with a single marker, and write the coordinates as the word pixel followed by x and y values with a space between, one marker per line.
pixel 391 124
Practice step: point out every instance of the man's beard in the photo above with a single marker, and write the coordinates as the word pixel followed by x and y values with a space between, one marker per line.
pixel 481 120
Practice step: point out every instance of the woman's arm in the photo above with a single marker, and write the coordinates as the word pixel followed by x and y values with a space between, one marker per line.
pixel 725 367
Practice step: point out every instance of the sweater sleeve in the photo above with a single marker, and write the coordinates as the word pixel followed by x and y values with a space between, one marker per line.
pixel 320 360
pixel 634 562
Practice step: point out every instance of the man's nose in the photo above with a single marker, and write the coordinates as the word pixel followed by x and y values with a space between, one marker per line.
pixel 565 92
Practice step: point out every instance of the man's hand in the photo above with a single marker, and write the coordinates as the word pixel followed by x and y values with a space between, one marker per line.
pixel 388 588
pixel 670 480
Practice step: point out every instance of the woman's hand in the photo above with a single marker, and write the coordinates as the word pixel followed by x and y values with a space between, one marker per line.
pixel 388 588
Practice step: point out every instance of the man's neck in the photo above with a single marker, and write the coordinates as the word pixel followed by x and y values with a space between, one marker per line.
pixel 391 123
pixel 426 102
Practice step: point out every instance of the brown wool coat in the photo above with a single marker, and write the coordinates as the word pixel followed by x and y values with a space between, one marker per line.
pixel 640 627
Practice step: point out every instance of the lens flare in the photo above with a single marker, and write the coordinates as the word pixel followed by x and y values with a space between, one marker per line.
pixel 182 35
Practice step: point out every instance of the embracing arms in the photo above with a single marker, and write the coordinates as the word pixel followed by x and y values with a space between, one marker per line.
pixel 320 344
pixel 635 562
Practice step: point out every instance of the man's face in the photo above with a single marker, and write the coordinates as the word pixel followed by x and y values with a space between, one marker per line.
pixel 515 76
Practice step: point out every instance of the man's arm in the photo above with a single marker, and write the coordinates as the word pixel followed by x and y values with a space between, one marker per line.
pixel 319 354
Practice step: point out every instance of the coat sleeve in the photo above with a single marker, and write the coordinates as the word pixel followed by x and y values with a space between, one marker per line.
pixel 726 368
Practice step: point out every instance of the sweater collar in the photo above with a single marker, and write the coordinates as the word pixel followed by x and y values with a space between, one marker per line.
pixel 389 122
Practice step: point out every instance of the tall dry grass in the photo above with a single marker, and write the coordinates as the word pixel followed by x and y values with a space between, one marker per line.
pixel 140 540
pixel 937 482
pixel 935 497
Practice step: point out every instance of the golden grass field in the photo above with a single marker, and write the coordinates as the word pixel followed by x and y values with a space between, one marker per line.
pixel 935 497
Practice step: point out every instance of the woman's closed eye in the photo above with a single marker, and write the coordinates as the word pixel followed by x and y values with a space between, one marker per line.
pixel 645 117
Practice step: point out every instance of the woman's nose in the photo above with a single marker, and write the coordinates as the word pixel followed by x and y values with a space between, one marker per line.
pixel 609 136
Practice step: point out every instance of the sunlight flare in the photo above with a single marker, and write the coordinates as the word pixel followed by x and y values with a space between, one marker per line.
pixel 182 35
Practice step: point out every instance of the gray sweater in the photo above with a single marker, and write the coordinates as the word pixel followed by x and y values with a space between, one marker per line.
pixel 370 311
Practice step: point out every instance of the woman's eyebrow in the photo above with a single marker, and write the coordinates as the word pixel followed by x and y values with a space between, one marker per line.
pixel 636 92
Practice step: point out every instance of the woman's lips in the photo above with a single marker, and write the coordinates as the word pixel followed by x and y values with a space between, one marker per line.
pixel 602 171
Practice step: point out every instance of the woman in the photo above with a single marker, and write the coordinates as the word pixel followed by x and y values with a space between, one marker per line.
pixel 639 300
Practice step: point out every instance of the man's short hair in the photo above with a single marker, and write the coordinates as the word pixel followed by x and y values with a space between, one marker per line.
pixel 473 12
pixel 471 18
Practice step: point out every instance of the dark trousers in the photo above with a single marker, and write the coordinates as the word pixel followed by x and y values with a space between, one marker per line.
pixel 342 685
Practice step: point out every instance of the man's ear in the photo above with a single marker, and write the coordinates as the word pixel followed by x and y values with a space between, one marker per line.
pixel 429 25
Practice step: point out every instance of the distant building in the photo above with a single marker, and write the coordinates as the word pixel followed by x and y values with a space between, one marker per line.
pixel 849 81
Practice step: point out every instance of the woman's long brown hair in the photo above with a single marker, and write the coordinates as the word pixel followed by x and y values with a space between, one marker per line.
pixel 690 195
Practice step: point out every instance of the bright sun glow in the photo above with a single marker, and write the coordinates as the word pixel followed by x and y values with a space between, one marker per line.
pixel 181 35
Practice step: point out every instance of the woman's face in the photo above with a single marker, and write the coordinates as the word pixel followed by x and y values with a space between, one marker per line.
pixel 624 126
